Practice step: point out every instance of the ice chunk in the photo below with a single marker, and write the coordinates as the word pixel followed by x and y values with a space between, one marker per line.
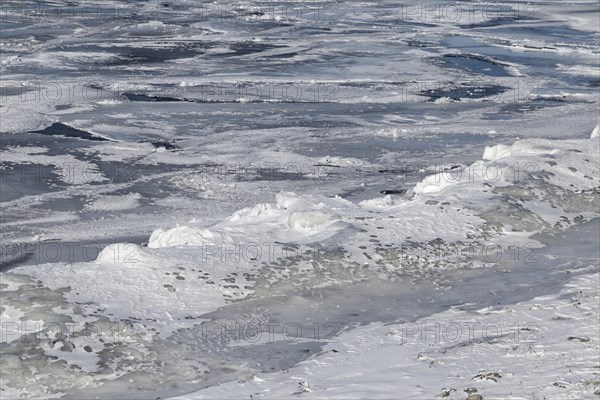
pixel 596 131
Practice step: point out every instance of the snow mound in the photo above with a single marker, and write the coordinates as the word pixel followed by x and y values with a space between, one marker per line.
pixel 522 148
pixel 310 220
pixel 293 218
pixel 182 236
pixel 559 163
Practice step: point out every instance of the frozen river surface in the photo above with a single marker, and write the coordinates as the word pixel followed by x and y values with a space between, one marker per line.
pixel 220 199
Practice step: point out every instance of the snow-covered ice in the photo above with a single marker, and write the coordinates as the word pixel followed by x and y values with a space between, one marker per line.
pixel 315 199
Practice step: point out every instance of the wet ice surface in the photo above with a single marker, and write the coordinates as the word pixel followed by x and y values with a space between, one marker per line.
pixel 150 124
